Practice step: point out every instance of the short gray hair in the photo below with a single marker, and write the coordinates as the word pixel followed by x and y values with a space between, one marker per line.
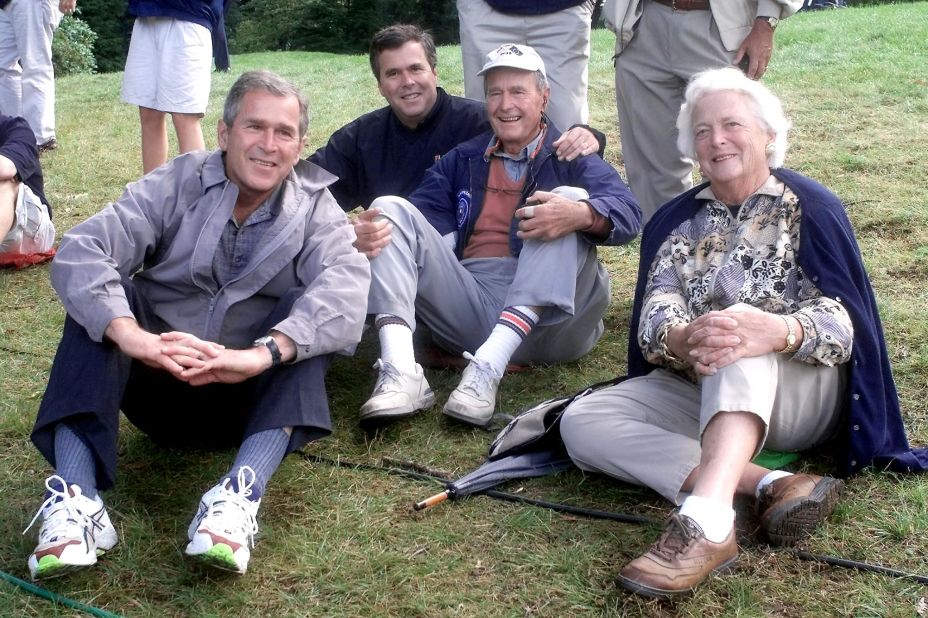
pixel 767 109
pixel 269 82
pixel 540 80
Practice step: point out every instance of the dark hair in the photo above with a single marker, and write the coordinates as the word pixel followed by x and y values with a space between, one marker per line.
pixel 269 82
pixel 397 35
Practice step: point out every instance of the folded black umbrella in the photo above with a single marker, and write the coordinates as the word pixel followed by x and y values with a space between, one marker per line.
pixel 530 445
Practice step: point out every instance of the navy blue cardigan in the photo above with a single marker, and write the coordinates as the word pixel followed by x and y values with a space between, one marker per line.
pixel 873 433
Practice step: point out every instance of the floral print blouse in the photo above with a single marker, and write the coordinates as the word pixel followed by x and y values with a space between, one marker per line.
pixel 718 259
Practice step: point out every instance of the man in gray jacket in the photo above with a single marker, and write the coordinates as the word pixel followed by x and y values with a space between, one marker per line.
pixel 205 304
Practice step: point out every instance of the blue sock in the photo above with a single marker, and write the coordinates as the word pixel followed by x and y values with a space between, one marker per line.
pixel 74 461
pixel 262 452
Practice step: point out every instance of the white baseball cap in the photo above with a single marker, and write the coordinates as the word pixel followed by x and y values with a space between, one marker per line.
pixel 514 56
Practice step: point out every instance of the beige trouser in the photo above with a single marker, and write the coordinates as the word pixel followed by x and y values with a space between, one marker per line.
pixel 647 430
pixel 561 38
pixel 651 73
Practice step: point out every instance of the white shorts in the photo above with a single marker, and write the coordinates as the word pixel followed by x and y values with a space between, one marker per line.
pixel 169 65
pixel 32 231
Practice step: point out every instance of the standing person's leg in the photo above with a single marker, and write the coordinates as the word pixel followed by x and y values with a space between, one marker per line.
pixel 11 89
pixel 36 22
pixel 189 131
pixel 650 76
pixel 154 138
pixel 184 80
pixel 562 39
pixel 140 85
pixel 482 29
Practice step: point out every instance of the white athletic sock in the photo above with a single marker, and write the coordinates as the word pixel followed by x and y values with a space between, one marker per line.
pixel 395 342
pixel 770 477
pixel 715 518
pixel 512 327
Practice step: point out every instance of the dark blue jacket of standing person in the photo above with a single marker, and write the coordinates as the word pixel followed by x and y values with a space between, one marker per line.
pixel 207 13
pixel 873 432
pixel 377 154
pixel 451 194
pixel 531 7
pixel 17 143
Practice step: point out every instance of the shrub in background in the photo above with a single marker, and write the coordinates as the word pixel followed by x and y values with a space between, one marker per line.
pixel 107 18
pixel 72 47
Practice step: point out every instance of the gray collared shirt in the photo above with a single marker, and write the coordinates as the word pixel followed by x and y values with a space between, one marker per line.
pixel 239 243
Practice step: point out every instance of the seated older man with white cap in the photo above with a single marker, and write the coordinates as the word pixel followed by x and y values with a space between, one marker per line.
pixel 495 252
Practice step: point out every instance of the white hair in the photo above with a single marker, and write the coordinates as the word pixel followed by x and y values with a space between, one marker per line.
pixel 767 109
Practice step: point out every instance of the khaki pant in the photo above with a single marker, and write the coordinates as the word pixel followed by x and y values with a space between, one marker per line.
pixel 561 38
pixel 418 277
pixel 647 430
pixel 668 48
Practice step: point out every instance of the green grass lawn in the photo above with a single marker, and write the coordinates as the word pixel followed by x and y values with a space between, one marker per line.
pixel 344 542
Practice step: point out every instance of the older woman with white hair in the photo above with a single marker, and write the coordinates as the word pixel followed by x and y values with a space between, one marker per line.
pixel 754 324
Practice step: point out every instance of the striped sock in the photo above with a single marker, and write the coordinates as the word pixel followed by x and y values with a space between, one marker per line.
pixel 512 327
pixel 395 342
pixel 262 452
pixel 74 461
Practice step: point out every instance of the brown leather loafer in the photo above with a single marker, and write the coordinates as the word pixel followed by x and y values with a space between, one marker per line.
pixel 680 560
pixel 791 508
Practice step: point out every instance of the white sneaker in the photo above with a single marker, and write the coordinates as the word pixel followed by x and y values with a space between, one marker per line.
pixel 223 531
pixel 75 529
pixel 474 400
pixel 397 394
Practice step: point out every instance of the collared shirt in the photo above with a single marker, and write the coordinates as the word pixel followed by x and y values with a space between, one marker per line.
pixel 239 242
pixel 516 164
pixel 719 258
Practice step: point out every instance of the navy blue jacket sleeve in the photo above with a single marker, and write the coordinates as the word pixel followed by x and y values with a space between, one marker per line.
pixel 18 145
pixel 609 196
pixel 435 197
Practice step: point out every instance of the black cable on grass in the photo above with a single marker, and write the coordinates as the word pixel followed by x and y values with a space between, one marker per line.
pixel 597 514
pixel 860 566
pixel 57 598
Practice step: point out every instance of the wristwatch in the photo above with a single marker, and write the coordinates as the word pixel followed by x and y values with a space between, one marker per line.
pixel 773 21
pixel 790 337
pixel 271 345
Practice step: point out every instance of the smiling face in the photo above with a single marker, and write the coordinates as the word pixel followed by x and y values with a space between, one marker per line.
pixel 407 82
pixel 262 145
pixel 514 104
pixel 730 145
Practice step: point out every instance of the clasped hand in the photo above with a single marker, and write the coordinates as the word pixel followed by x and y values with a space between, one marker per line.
pixel 719 338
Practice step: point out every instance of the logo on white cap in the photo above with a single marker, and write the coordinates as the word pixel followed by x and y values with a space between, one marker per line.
pixel 514 56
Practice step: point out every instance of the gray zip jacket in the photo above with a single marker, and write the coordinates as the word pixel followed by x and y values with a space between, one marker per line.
pixel 163 233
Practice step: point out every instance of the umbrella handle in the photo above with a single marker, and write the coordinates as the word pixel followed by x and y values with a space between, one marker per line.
pixel 433 500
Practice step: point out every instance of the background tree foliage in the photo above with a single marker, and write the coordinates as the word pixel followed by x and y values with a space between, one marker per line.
pixel 332 25
pixel 107 18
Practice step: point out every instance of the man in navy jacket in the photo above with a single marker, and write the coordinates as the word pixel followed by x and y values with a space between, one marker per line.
pixel 495 252
pixel 387 151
